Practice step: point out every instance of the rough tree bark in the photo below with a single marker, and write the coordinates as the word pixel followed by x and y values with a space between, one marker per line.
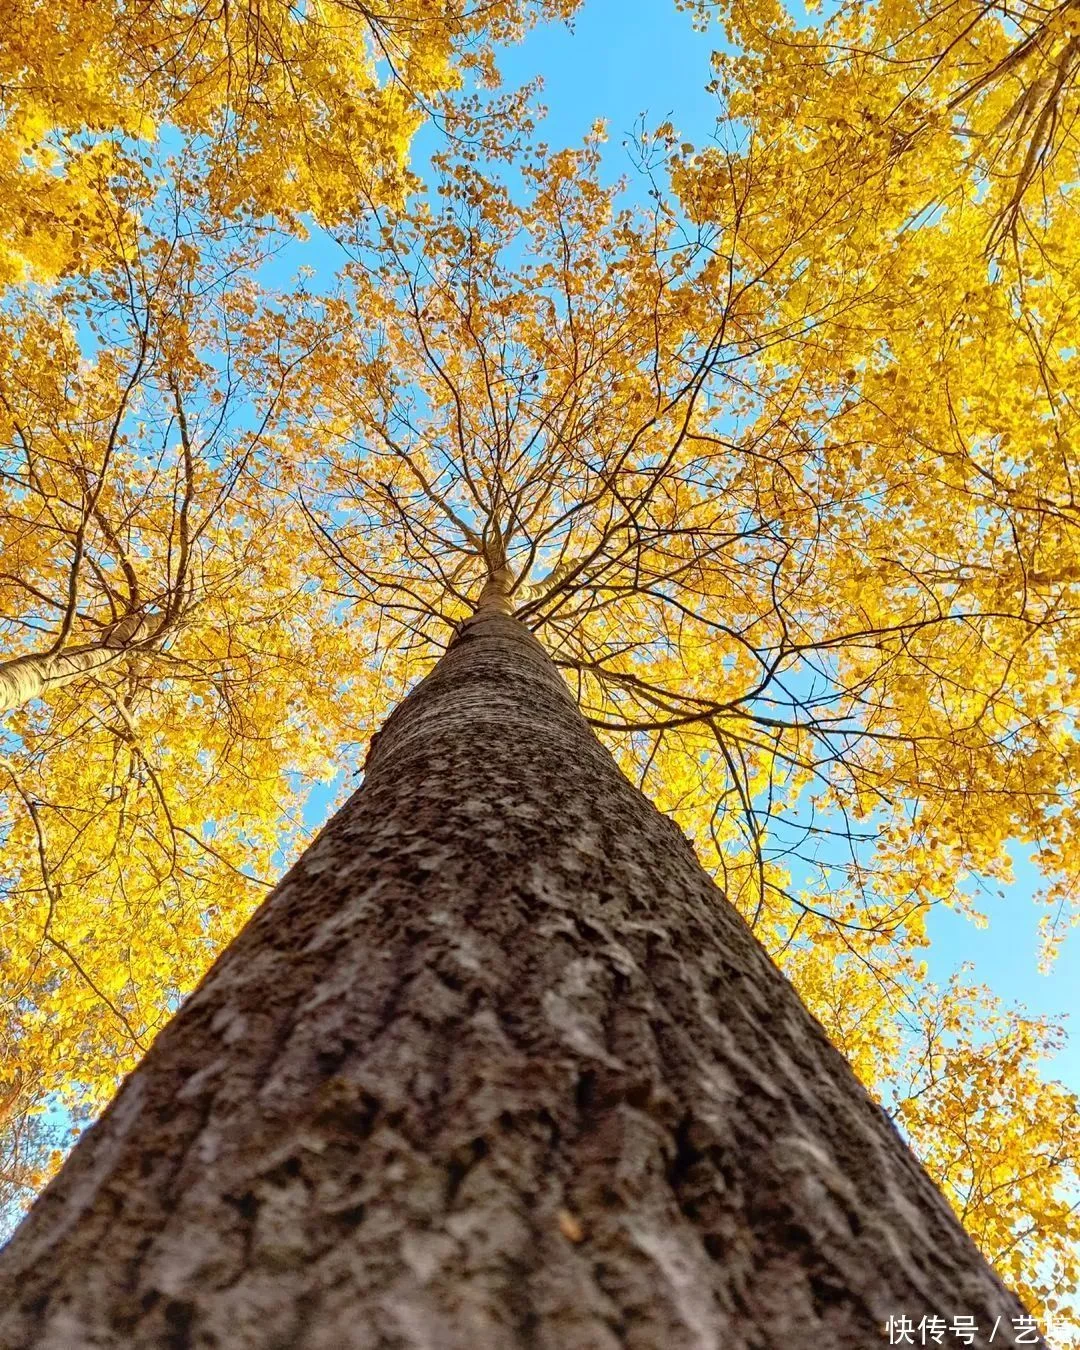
pixel 495 1065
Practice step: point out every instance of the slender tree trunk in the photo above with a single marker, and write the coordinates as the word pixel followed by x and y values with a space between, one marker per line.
pixel 495 1065
pixel 36 673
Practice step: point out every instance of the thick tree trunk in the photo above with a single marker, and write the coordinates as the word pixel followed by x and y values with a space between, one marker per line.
pixel 37 673
pixel 495 1065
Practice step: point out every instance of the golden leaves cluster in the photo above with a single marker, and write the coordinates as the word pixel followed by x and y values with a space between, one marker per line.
pixel 285 110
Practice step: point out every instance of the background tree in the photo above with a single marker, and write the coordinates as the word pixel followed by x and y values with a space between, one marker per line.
pixel 168 656
pixel 908 174
pixel 987 89
pixel 30 1146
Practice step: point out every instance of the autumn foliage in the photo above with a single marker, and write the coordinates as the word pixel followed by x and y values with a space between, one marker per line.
pixel 776 442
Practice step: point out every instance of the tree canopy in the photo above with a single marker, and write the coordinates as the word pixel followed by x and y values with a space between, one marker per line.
pixel 772 445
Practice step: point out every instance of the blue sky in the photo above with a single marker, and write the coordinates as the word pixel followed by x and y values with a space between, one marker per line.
pixel 621 60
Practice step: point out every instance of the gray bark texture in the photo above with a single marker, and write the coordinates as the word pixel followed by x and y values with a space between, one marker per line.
pixel 495 1065
pixel 38 673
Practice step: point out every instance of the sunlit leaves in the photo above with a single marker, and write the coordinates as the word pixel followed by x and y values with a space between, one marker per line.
pixel 289 109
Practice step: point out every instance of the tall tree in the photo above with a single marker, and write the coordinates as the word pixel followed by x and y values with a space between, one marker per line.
pixel 558 430
pixel 715 569
pixel 494 1064
pixel 639 418
pixel 160 724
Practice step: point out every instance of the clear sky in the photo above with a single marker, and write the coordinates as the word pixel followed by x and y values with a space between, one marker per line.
pixel 623 58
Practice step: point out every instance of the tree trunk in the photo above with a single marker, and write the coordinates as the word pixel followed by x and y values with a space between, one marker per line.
pixel 495 1065
pixel 36 673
